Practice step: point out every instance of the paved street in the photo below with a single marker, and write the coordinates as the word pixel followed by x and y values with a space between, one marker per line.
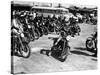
pixel 80 59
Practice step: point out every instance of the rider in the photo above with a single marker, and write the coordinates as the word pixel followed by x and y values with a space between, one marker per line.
pixel 16 25
pixel 73 25
pixel 15 28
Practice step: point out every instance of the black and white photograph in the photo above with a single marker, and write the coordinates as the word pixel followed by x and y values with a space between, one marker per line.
pixel 53 37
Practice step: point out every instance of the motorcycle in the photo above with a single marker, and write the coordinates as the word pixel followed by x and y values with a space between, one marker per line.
pixel 50 27
pixel 39 28
pixel 93 20
pixel 91 43
pixel 45 29
pixel 19 45
pixel 34 29
pixel 36 33
pixel 74 30
pixel 78 29
pixel 59 27
pixel 30 32
pixel 57 51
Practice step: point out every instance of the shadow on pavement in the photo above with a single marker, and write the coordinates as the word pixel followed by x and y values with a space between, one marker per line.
pixel 94 59
pixel 80 53
pixel 80 48
pixel 47 52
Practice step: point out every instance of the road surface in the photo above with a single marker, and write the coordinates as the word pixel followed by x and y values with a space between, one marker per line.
pixel 80 59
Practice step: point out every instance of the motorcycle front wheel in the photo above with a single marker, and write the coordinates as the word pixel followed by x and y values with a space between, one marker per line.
pixel 36 34
pixel 90 45
pixel 26 51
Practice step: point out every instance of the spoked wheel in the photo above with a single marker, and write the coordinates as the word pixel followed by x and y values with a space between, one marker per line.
pixel 90 45
pixel 25 52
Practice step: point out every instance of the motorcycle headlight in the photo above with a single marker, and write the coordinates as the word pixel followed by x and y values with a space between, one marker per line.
pixel 22 35
pixel 15 31
pixel 29 26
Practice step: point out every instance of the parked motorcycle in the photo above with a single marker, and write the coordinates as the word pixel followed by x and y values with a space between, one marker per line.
pixel 31 32
pixel 36 33
pixel 39 28
pixel 91 43
pixel 57 51
pixel 74 30
pixel 45 29
pixel 19 45
pixel 93 20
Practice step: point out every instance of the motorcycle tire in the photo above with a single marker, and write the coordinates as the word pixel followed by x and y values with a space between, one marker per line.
pixel 90 45
pixel 26 51
pixel 37 34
